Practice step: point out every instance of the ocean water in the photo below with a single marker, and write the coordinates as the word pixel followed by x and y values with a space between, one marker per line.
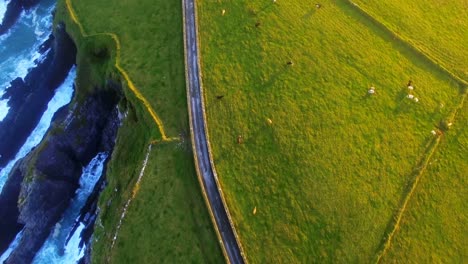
pixel 19 46
pixel 62 96
pixel 3 6
pixel 63 244
pixel 18 55
pixel 12 246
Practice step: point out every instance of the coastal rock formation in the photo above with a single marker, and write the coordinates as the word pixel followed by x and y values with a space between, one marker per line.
pixel 41 186
pixel 28 99
pixel 14 9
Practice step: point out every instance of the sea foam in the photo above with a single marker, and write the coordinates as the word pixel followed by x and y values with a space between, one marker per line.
pixel 19 47
pixel 12 246
pixel 3 9
pixel 62 96
pixel 64 244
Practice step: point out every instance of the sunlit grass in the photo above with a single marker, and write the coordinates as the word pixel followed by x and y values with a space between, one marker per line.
pixel 327 175
pixel 438 27
pixel 168 210
pixel 434 228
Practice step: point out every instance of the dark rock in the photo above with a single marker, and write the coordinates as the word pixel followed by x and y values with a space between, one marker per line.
pixel 53 170
pixel 9 212
pixel 12 13
pixel 28 99
pixel 14 9
pixel 27 4
pixel 47 44
pixel 88 216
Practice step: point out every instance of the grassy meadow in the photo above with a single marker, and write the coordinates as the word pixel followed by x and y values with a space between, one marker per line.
pixel 151 40
pixel 434 228
pixel 168 211
pixel 436 27
pixel 167 220
pixel 327 174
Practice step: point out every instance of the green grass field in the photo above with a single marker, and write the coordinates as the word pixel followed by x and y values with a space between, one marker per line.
pixel 327 176
pixel 167 220
pixel 152 50
pixel 436 27
pixel 167 212
pixel 434 228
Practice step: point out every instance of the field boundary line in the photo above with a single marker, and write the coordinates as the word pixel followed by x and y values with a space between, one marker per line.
pixel 122 72
pixel 135 190
pixel 420 169
pixel 133 194
pixel 432 146
pixel 412 46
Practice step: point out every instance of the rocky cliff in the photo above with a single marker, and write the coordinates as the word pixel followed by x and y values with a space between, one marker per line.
pixel 41 185
pixel 14 9
pixel 28 98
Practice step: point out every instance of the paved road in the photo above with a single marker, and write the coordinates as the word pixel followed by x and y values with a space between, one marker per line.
pixel 200 140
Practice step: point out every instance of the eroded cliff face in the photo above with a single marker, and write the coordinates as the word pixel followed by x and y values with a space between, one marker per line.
pixel 28 98
pixel 40 187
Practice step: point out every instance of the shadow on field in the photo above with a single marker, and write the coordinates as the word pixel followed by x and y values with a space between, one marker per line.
pixel 402 103
pixel 274 77
pixel 393 222
pixel 309 14
pixel 418 58
pixel 265 8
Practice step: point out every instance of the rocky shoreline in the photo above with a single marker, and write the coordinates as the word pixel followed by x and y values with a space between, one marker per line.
pixel 41 185
pixel 28 99
pixel 14 9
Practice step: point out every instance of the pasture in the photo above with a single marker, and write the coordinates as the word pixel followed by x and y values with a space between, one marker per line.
pixel 324 163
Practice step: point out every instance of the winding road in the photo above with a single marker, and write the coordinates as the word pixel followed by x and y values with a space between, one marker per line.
pixel 205 169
